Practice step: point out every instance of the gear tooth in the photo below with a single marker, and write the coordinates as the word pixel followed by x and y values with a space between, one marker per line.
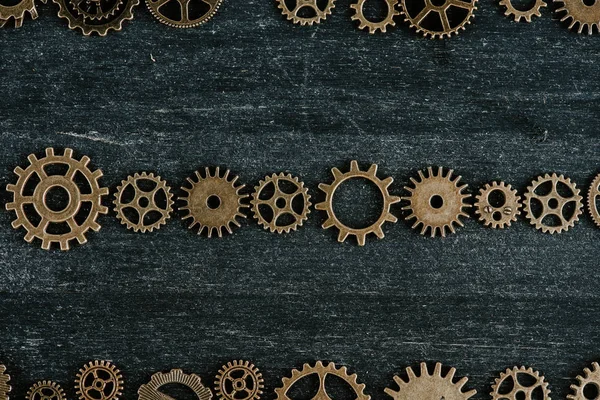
pixel 430 171
pixel 85 160
pixel 337 174
pixel 361 239
pixel 343 235
pixel 372 169
pixel 32 158
pixel 49 152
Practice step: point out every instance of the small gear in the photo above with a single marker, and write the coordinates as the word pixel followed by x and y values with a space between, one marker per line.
pixel 498 215
pixel 527 15
pixel 239 380
pixel 420 18
pixel 591 378
pixel 510 387
pixel 430 387
pixel 150 390
pixel 45 390
pixel 42 220
pixel 539 206
pixel 373 27
pixel 436 202
pixel 213 202
pixel 151 205
pixel 322 371
pixel 319 14
pixel 593 197
pixel 17 12
pixel 96 16
pixel 99 380
pixel 578 13
pixel 180 14
pixel 4 386
pixel 277 196
pixel 360 233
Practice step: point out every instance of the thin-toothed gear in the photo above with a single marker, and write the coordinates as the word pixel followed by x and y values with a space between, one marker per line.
pixel 593 197
pixel 4 386
pixel 183 20
pixel 517 389
pixel 239 380
pixel 99 380
pixel 418 19
pixel 578 14
pixel 151 390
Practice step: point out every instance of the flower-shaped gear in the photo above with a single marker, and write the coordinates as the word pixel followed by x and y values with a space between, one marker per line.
pixel 46 390
pixel 510 387
pixel 143 202
pixel 151 390
pixel 430 387
pixel 4 386
pixel 527 15
pixel 500 212
pixel 17 12
pixel 551 203
pixel 436 202
pixel 239 380
pixel 42 220
pixel 419 17
pixel 327 205
pixel 590 377
pixel 578 13
pixel 96 16
pixel 322 371
pixel 99 380
pixel 183 13
pixel 593 198
pixel 373 27
pixel 318 14
pixel 213 202
pixel 280 196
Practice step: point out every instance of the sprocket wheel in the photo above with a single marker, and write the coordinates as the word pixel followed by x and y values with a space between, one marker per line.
pixel 319 14
pixel 520 383
pixel 4 386
pixel 239 380
pixel 418 18
pixel 593 200
pixel 45 390
pixel 99 380
pixel 498 215
pixel 591 378
pixel 151 390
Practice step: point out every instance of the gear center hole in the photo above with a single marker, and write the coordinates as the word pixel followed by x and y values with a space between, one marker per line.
pixel 358 203
pixel 213 202
pixel 280 202
pixel 520 396
pixel 143 202
pixel 375 10
pixel 589 3
pixel 553 204
pixel 57 199
pixel 436 201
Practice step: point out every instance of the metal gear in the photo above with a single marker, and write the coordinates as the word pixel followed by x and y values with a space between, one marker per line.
pixel 17 12
pixel 590 377
pixel 577 12
pixel 4 386
pixel 182 18
pixel 104 19
pixel 527 15
pixel 145 203
pixel 501 215
pixel 319 14
pixel 417 18
pixel 593 197
pixel 430 387
pixel 96 9
pixel 280 203
pixel 360 233
pixel 519 389
pixel 213 202
pixel 99 380
pixel 45 390
pixel 436 202
pixel 239 380
pixel 321 371
pixel 552 203
pixel 40 221
pixel 150 390
pixel 373 27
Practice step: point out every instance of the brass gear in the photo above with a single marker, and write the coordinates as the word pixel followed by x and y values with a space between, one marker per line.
pixel 552 203
pixel 593 197
pixel 4 386
pixel 416 19
pixel 498 216
pixel 527 15
pixel 239 380
pixel 184 20
pixel 100 23
pixel 280 202
pixel 144 202
pixel 518 390
pixel 45 390
pixel 47 216
pixel 96 9
pixel 150 390
pixel 99 380
pixel 430 387
pixel 576 12
pixel 590 377
pixel 440 188
pixel 293 14
pixel 321 371
pixel 327 205
pixel 226 195
pixel 373 27
pixel 17 12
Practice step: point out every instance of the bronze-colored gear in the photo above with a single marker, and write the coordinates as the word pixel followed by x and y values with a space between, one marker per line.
pixel 47 217
pixel 46 390
pixel 436 202
pixel 577 12
pixel 590 377
pixel 280 202
pixel 144 203
pixel 519 389
pixel 239 380
pixel 213 202
pixel 418 18
pixel 151 390
pixel 593 197
pixel 99 380
pixel 294 14
pixel 96 9
pixel 527 15
pixel 360 233
pixel 109 17
pixel 430 387
pixel 373 27
pixel 183 18
pixel 4 386
pixel 552 203
pixel 322 371
pixel 17 12
pixel 498 216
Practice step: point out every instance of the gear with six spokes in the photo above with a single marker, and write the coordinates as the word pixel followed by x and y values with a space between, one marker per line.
pixel 444 26
pixel 185 13
pixel 151 390
pixel 589 377
pixel 375 26
pixel 4 386
pixel 17 12
pixel 46 390
pixel 99 380
pixel 509 387
pixel 578 13
pixel 593 200
pixel 498 213
pixel 239 380
pixel 318 14
pixel 96 16
pixel 527 15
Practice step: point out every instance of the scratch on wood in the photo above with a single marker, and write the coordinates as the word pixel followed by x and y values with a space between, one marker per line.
pixel 91 136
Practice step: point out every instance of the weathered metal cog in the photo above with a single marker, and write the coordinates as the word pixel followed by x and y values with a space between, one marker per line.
pixel 45 390
pixel 151 390
pixel 593 197
pixel 90 25
pixel 416 19
pixel 239 380
pixel 184 20
pixel 294 14
pixel 590 377
pixel 4 386
pixel 517 389
pixel 94 9
pixel 527 15
pixel 498 216
pixel 99 380
pixel 577 13
pixel 17 12
pixel 373 27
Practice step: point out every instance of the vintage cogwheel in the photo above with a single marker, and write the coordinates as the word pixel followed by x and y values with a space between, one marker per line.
pixel 590 379
pixel 46 390
pixel 96 9
pixel 579 13
pixel 373 27
pixel 183 13
pixel 430 387
pixel 546 198
pixel 593 200
pixel 96 16
pixel 239 380
pixel 143 202
pixel 52 223
pixel 436 202
pixel 99 380
pixel 354 173
pixel 17 12
pixel 151 390
pixel 497 205
pixel 318 13
pixel 4 386
pixel 527 15
pixel 278 197
pixel 438 21
pixel 213 202
pixel 520 383
pixel 322 371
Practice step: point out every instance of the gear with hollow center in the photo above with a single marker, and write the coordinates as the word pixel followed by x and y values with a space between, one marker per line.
pixel 593 197
pixel 36 215
pixel 239 380
pixel 498 215
pixel 527 15
pixel 354 173
pixel 46 390
pixel 509 387
pixel 182 18
pixel 320 14
pixel 96 16
pixel 418 18
pixel 17 12
pixel 590 377
pixel 373 27
pixel 151 390
pixel 4 386
pixel 99 380
pixel 578 13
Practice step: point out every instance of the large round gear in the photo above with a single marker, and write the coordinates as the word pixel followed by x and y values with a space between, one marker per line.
pixel 179 16
pixel 322 371
pixel 239 380
pixel 552 203
pixel 45 390
pixel 151 390
pixel 578 14
pixel 527 15
pixel 497 215
pixel 319 14
pixel 17 12
pixel 36 215
pixel 418 17
pixel 589 378
pixel 4 386
pixel 373 27
pixel 509 387
pixel 96 16
pixel 99 380
pixel 436 202
pixel 593 198
pixel 360 233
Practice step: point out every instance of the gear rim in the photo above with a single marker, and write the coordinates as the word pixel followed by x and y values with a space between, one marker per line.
pixel 447 30
pixel 99 384
pixel 373 27
pixel 148 391
pixel 527 15
pixel 79 22
pixel 509 211
pixel 320 15
pixel 35 392
pixel 154 7
pixel 518 387
pixel 576 12
pixel 589 377
pixel 593 196
pixel 239 384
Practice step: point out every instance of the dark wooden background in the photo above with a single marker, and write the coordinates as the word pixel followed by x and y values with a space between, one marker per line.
pixel 257 94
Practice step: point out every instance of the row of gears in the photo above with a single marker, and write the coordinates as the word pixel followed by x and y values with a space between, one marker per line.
pixel 58 198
